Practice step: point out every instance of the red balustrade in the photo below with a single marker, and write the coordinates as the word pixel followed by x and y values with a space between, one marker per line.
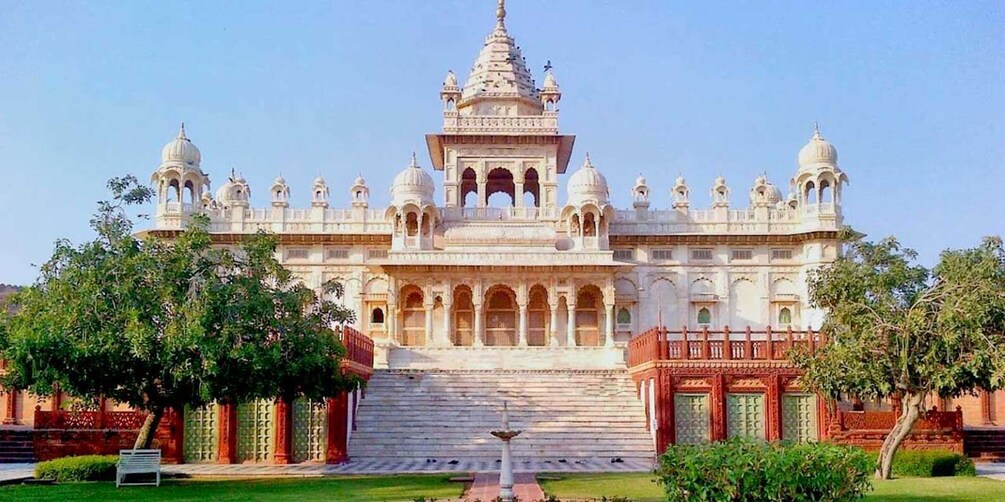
pixel 660 344
pixel 359 347
pixel 88 420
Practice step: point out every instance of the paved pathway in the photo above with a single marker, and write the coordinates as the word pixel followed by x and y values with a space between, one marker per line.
pixel 995 470
pixel 16 472
pixel 486 487
pixel 402 466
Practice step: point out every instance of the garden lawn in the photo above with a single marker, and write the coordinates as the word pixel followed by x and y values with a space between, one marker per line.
pixel 640 487
pixel 355 488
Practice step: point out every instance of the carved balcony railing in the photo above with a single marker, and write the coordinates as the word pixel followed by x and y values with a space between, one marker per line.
pixel 932 420
pixel 88 420
pixel 661 344
pixel 359 347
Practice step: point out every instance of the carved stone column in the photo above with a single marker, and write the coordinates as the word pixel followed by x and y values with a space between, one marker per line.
pixel 609 325
pixel 429 325
pixel 479 326
pixel 553 326
pixel 518 194
pixel 284 432
pixel 522 326
pixel 448 339
pixel 570 325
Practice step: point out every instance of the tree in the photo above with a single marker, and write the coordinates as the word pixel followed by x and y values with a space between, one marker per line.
pixel 899 329
pixel 158 325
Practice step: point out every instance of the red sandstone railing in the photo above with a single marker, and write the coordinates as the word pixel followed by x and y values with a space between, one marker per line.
pixel 661 344
pixel 359 347
pixel 883 420
pixel 88 420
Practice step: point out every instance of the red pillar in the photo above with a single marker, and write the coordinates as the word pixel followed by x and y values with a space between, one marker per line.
pixel 718 411
pixel 170 436
pixel 228 434
pixel 773 410
pixel 664 393
pixel 284 432
pixel 338 423
pixel 986 406
pixel 10 417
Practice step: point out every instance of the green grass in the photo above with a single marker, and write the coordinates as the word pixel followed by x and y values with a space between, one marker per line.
pixel 640 487
pixel 356 488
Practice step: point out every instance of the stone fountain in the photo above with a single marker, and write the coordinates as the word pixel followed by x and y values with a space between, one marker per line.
pixel 506 469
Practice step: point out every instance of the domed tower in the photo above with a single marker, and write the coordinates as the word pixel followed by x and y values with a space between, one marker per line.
pixel 320 193
pixel 234 193
pixel 280 193
pixel 587 214
pixel 550 94
pixel 179 181
pixel 360 193
pixel 720 193
pixel 640 194
pixel 412 208
pixel 680 194
pixel 764 193
pixel 819 180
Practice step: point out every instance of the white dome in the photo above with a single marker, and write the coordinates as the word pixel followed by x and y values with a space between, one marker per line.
pixel 181 150
pixel 549 81
pixel 587 185
pixel 772 194
pixel 413 184
pixel 280 180
pixel 817 151
pixel 359 181
pixel 641 180
pixel 235 190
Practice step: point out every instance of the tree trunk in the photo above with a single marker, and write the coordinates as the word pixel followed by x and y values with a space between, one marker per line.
pixel 901 428
pixel 146 435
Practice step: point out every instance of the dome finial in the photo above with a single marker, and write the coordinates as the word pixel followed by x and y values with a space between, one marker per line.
pixel 586 163
pixel 816 130
pixel 181 132
pixel 501 15
pixel 414 163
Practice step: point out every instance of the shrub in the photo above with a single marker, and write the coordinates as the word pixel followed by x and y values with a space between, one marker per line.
pixel 930 463
pixel 82 468
pixel 743 470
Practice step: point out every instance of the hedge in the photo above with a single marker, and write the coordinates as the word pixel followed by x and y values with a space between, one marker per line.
pixel 744 470
pixel 82 468
pixel 930 463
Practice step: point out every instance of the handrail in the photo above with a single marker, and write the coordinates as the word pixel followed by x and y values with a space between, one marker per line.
pixel 661 344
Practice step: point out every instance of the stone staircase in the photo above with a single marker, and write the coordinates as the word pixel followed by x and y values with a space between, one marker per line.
pixel 985 444
pixel 16 446
pixel 444 416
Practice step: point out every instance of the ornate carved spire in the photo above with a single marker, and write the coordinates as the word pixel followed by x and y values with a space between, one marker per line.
pixel 501 16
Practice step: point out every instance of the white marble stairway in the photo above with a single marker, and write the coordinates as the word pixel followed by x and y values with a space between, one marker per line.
pixel 440 416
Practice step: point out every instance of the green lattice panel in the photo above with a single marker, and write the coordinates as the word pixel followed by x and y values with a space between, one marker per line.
pixel 310 430
pixel 201 434
pixel 745 415
pixel 690 413
pixel 799 417
pixel 255 431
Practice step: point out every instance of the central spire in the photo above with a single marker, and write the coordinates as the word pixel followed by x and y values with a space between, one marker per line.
pixel 500 74
pixel 501 16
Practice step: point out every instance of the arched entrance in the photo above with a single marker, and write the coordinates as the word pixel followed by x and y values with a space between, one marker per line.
pixel 538 317
pixel 464 317
pixel 500 317
pixel 588 317
pixel 413 317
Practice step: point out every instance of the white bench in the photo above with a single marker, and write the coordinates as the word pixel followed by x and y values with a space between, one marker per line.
pixel 138 462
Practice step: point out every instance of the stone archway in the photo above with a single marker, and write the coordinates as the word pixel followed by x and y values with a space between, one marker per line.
pixel 589 309
pixel 464 317
pixel 538 316
pixel 413 317
pixel 501 313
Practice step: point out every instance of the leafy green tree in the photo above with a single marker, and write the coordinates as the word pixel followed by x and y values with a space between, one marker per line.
pixel 158 324
pixel 899 329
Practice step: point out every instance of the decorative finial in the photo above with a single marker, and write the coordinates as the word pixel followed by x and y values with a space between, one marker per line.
pixel 181 132
pixel 505 417
pixel 414 163
pixel 501 15
pixel 548 66
pixel 233 175
pixel 586 163
pixel 816 131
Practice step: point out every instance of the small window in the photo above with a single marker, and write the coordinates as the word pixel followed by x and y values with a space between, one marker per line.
pixel 624 254
pixel 377 316
pixel 784 317
pixel 662 254
pixel 701 254
pixel 297 254
pixel 624 316
pixel 742 254
pixel 704 316
pixel 377 254
pixel 338 253
pixel 781 254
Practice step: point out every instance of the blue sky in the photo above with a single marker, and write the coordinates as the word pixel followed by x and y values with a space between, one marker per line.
pixel 911 93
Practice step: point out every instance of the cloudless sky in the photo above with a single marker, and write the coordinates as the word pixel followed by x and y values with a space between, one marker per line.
pixel 911 93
